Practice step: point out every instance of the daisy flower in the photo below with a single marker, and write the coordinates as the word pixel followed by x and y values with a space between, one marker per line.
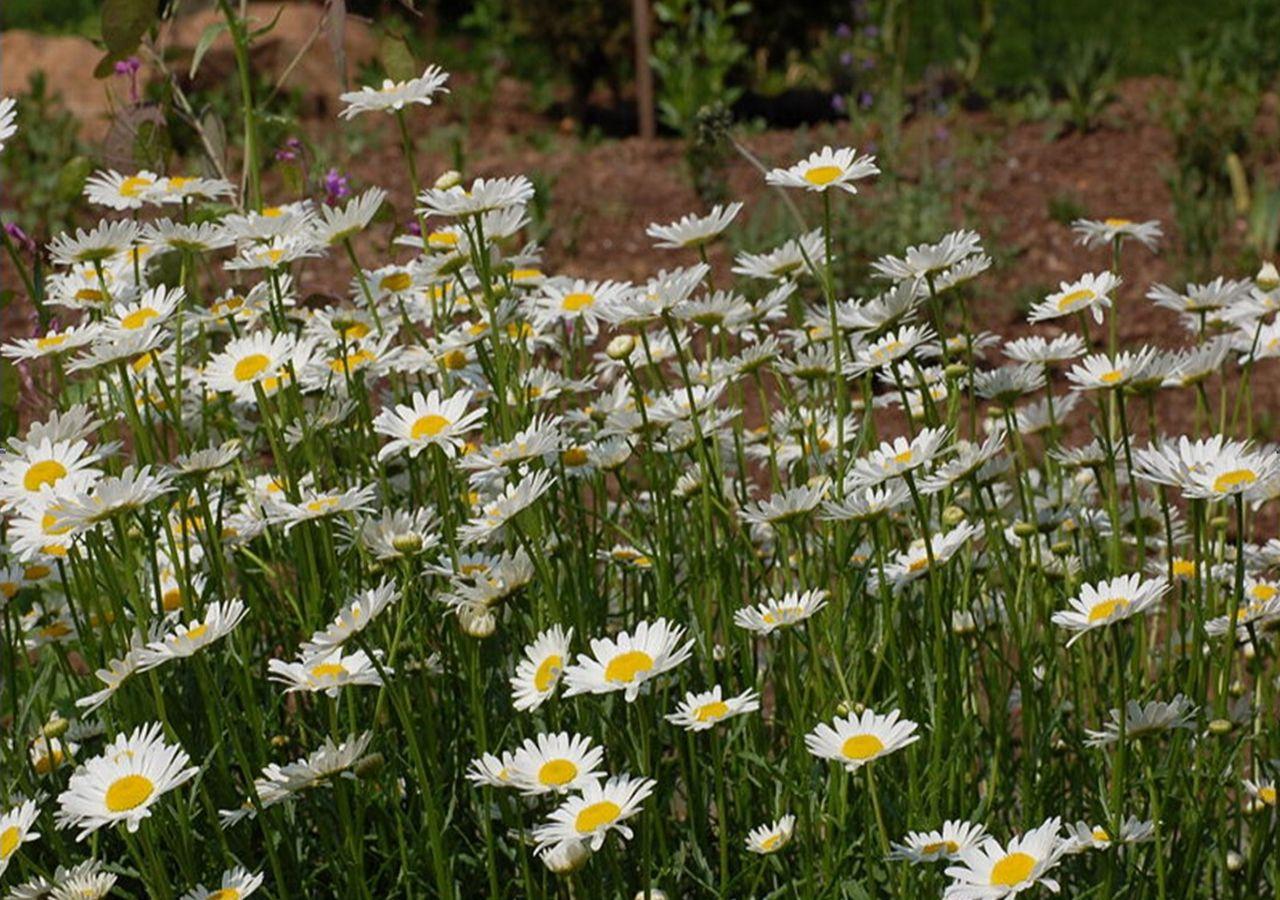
pixel 340 224
pixel 627 662
pixel 428 421
pixel 577 301
pixel 896 458
pixel 116 673
pixel 856 740
pixel 784 263
pixel 947 843
pixel 1093 234
pixel 495 513
pixel 597 811
pixel 914 562
pixel 358 613
pixel 218 621
pixel 702 711
pixel 555 763
pixel 1103 372
pixel 256 359
pixel 923 260
pixel 694 230
pixel 540 669
pixel 1235 471
pixel 15 830
pixel 236 884
pixel 123 783
pixel 97 245
pixel 1107 602
pixel 329 672
pixel 1044 352
pixel 1091 292
pixel 484 195
pixel 792 609
pixel 826 168
pixel 279 783
pixel 488 770
pixel 1082 836
pixel 392 96
pixel 319 505
pixel 771 837
pixel 991 871
pixel 787 506
pixel 85 881
pixel 1262 791
pixel 1143 719
pixel 34 471
pixel 116 191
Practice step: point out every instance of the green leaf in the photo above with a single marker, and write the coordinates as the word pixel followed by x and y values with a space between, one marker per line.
pixel 396 58
pixel 207 37
pixel 72 176
pixel 124 22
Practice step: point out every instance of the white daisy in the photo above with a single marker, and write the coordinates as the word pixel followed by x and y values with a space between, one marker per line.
pixel 701 711
pixel 591 816
pixel 826 168
pixel 1093 233
pixel 857 740
pixel 793 609
pixel 946 843
pixel 771 837
pixel 555 763
pixel 236 884
pixel 124 782
pixel 694 230
pixel 1101 604
pixel 428 421
pixel 16 830
pixel 627 662
pixel 329 672
pixel 392 96
pixel 219 619
pixel 540 669
pixel 1092 292
pixel 991 871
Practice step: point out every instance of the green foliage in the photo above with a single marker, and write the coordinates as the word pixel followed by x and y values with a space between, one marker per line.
pixel 696 52
pixel 48 159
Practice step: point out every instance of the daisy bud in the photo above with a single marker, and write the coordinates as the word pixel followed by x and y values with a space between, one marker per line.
pixel 651 894
pixel 279 740
pixel 1061 548
pixel 407 543
pixel 952 516
pixel 1236 688
pixel 451 178
pixel 1249 653
pixel 1025 530
pixel 1218 523
pixel 1221 726
pixel 370 766
pixel 1268 278
pixel 718 652
pixel 955 370
pixel 565 858
pixel 477 623
pixel 55 727
pixel 1235 862
pixel 621 347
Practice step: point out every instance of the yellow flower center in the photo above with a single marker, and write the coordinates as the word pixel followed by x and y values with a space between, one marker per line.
pixel 557 772
pixel 9 840
pixel 712 712
pixel 442 239
pixel 328 670
pixel 179 181
pixel 354 360
pixel 428 426
pixel 1117 223
pixel 171 599
pixel 50 761
pixel 939 847
pixel 45 472
pixel 918 565
pixel 396 281
pixel 548 671
pixel 49 524
pixel 1100 834
pixel 1267 795
pixel 134 185
pixel 225 894
pixel 1111 377
pixel 1234 479
pixel 624 667
pixel 1012 869
pixel 320 504
pixel 525 274
pixel 138 318
pixel 574 457
pixel 823 175
pixel 251 367
pixel 1183 568
pixel 52 340
pixel 771 841
pixel 596 815
pixel 36 572
pixel 903 458
pixel 1074 299
pixel 862 746
pixel 199 631
pixel 1107 608
pixel 577 301
pixel 783 615
pixel 9 589
pixel 129 792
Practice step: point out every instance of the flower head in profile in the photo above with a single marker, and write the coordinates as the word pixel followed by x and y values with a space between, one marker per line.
pixel 1107 602
pixel 824 169
pixel 944 844
pixel 393 96
pixel 601 809
pixel 17 828
pixel 1093 233
pixel 694 230
pixel 772 836
pixel 1091 293
pixel 792 609
pixel 236 883
pixel 539 671
pixel 701 711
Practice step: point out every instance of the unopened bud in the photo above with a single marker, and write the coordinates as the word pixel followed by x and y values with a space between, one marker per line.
pixel 407 543
pixel 955 370
pixel 566 857
pixel 370 766
pixel 449 179
pixel 621 347
pixel 651 894
pixel 1025 530
pixel 952 516
pixel 1218 523
pixel 1268 278
pixel 1235 862
pixel 56 727
pixel 1061 548
pixel 1221 726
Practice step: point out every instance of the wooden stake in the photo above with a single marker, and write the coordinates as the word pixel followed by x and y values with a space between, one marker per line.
pixel 644 73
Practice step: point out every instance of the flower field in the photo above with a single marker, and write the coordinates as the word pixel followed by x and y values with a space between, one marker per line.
pixel 483 580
